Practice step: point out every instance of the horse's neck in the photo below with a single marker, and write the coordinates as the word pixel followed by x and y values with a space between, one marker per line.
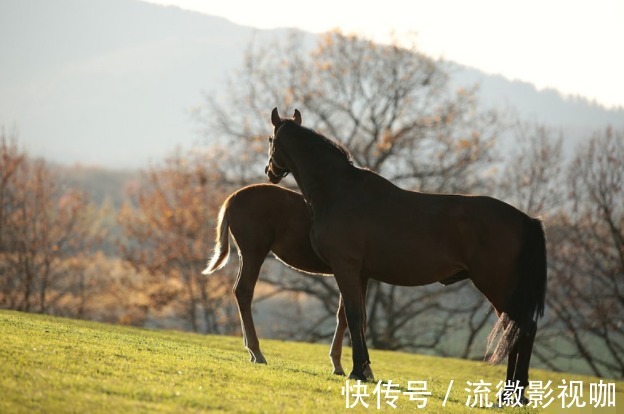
pixel 320 173
pixel 320 186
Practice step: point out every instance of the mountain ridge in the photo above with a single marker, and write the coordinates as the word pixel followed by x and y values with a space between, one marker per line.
pixel 112 82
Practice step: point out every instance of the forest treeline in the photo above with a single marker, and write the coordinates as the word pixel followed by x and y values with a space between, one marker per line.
pixel 136 256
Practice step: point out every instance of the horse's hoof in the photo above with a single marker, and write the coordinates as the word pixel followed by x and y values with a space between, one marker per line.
pixel 361 377
pixel 258 359
pixel 339 372
pixel 368 373
pixel 261 360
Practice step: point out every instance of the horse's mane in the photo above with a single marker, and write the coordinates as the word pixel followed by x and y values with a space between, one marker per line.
pixel 321 140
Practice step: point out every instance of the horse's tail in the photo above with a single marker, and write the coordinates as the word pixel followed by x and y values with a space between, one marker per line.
pixel 527 302
pixel 221 251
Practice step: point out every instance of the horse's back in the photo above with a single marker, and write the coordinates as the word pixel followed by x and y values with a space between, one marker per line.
pixel 255 213
pixel 267 217
pixel 412 238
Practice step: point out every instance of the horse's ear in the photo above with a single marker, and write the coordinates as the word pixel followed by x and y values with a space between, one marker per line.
pixel 297 117
pixel 275 118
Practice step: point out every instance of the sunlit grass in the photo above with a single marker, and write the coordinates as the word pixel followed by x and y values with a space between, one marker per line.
pixel 60 365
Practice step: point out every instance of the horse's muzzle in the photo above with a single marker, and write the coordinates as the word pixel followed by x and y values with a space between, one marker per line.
pixel 274 177
pixel 274 171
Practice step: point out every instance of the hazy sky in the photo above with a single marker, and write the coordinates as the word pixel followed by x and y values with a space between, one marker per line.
pixel 575 46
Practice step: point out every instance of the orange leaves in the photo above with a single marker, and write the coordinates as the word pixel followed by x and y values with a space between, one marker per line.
pixel 44 227
pixel 463 144
pixel 386 141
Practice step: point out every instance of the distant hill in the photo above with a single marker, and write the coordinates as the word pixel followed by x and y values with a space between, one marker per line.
pixel 576 117
pixel 108 81
pixel 103 186
pixel 111 82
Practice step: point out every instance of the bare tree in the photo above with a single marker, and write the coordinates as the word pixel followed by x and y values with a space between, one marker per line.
pixel 168 226
pixel 390 105
pixel 45 232
pixel 10 160
pixel 586 282
pixel 531 179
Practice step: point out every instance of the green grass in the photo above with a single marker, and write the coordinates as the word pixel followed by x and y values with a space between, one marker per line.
pixel 55 365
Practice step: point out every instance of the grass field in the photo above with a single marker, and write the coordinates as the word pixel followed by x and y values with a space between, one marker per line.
pixel 55 365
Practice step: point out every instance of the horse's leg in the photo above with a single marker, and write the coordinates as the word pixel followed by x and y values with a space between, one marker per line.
pixel 335 352
pixel 524 351
pixel 512 359
pixel 520 353
pixel 341 326
pixel 244 290
pixel 368 371
pixel 352 292
pixel 512 363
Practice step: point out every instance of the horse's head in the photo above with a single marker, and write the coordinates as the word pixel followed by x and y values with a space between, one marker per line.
pixel 276 168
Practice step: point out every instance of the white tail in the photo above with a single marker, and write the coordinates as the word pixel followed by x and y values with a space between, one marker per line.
pixel 221 251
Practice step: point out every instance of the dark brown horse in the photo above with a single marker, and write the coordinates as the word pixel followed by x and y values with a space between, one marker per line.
pixel 265 218
pixel 366 227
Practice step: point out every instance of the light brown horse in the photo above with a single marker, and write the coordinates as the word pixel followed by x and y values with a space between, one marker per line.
pixel 265 218
pixel 366 227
